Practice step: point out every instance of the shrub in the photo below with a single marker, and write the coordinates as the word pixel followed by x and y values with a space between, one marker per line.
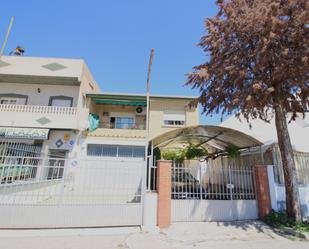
pixel 192 152
pixel 281 219
pixel 233 151
pixel 177 155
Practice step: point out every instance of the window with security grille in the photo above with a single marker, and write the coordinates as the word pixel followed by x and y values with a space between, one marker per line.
pixel 121 151
pixel 174 118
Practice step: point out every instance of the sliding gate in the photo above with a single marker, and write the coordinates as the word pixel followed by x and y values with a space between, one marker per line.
pixel 40 192
pixel 210 191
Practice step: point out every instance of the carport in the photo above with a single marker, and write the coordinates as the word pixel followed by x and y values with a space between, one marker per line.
pixel 215 139
pixel 215 187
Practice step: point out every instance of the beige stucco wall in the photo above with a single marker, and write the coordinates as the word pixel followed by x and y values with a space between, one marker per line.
pixel 157 108
pixel 88 85
pixel 156 125
pixel 42 98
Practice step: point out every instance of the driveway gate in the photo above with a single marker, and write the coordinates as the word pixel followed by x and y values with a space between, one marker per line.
pixel 208 191
pixel 40 192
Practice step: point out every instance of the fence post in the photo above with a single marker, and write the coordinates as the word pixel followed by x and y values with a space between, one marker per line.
pixel 262 190
pixel 200 181
pixel 164 193
pixel 230 183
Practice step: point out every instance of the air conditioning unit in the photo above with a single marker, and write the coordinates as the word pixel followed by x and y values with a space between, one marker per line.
pixel 140 110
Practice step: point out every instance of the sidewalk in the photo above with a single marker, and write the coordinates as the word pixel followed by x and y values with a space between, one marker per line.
pixel 245 235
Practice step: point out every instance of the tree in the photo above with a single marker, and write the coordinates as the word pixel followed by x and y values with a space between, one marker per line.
pixel 258 67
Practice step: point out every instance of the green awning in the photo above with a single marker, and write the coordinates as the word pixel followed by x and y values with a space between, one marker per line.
pixel 119 102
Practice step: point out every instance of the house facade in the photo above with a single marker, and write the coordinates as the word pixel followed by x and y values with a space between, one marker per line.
pixel 121 122
pixel 54 97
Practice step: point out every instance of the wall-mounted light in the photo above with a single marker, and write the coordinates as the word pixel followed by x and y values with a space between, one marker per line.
pixel 39 90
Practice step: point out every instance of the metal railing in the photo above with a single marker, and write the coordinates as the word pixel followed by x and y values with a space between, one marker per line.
pixel 57 110
pixel 19 169
pixel 196 180
pixel 123 125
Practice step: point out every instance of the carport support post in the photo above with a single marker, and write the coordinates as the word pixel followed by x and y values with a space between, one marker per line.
pixel 262 190
pixel 164 193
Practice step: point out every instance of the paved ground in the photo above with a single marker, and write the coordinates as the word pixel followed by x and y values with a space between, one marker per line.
pixel 178 236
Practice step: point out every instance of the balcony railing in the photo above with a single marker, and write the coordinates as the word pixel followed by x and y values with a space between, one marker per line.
pixel 123 125
pixel 56 110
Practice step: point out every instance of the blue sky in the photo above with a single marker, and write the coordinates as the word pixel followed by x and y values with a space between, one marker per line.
pixel 115 38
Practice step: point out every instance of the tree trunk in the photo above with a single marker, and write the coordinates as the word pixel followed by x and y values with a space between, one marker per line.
pixel 288 164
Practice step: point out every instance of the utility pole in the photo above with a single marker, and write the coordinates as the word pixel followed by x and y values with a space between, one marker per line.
pixel 7 36
pixel 144 171
pixel 147 108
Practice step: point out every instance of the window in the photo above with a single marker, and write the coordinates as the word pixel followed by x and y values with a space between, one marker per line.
pixel 174 118
pixel 12 101
pixel 61 101
pixel 122 122
pixel 109 150
pixel 102 150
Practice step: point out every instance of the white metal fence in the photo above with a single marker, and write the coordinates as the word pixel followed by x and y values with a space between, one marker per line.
pixel 82 182
pixel 56 192
pixel 212 191
pixel 196 180
pixel 301 163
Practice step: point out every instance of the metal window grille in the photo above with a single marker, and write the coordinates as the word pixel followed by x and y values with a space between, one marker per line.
pixel 107 150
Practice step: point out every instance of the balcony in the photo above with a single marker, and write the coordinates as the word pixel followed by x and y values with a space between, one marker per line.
pixel 40 116
pixel 120 130
pixel 123 125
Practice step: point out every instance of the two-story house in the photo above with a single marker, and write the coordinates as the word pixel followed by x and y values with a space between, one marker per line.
pixel 46 105
pixel 69 150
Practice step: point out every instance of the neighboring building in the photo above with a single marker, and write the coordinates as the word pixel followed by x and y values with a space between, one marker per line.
pixel 266 132
pixel 43 107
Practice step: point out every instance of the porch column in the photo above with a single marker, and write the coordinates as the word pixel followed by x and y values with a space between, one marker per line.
pixel 262 190
pixel 164 193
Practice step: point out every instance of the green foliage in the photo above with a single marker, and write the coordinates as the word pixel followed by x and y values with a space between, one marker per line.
pixel 233 152
pixel 177 155
pixel 157 153
pixel 192 152
pixel 281 219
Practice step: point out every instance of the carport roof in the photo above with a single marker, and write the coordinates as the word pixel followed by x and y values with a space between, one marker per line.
pixel 214 138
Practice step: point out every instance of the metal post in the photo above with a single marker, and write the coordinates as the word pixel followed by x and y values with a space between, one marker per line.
pixel 147 131
pixel 7 36
pixel 201 189
pixel 230 182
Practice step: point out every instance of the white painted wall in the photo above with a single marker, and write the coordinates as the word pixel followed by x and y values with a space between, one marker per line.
pixel 42 98
pixel 24 65
pixel 213 210
pixel 150 210
pixel 277 194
